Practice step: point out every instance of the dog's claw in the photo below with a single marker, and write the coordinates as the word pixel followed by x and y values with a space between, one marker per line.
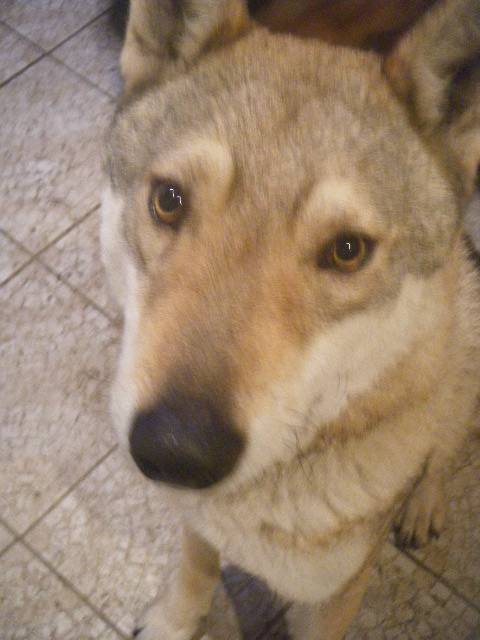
pixel 136 631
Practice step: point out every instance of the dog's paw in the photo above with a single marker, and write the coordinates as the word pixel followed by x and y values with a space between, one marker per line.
pixel 422 517
pixel 156 624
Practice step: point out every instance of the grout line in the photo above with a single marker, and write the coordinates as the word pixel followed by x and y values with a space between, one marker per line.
pixel 33 255
pixel 47 52
pixel 75 33
pixel 9 527
pixel 55 239
pixel 11 544
pixel 112 97
pixel 17 271
pixel 25 68
pixel 79 292
pixel 65 232
pixel 66 39
pixel 37 257
pixel 98 612
pixel 447 583
pixel 20 537
pixel 67 492
pixel 15 536
pixel 83 78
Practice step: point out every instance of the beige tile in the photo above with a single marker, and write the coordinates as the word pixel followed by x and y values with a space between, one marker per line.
pixel 15 52
pixel 404 602
pixel 113 538
pixel 456 554
pixel 116 540
pixel 35 605
pixel 57 353
pixel 48 22
pixel 76 257
pixel 12 257
pixel 95 53
pixel 51 133
pixel 5 537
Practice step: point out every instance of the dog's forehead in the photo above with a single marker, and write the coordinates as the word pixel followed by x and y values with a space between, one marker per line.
pixel 291 114
pixel 282 107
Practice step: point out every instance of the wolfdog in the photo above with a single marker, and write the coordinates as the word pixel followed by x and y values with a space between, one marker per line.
pixel 282 226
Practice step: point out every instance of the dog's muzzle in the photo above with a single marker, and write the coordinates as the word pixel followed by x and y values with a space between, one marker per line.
pixel 185 443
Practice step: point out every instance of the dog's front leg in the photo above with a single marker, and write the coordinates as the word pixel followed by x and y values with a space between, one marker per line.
pixel 178 616
pixel 423 514
pixel 330 620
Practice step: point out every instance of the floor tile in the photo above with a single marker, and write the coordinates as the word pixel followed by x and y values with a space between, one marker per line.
pixel 95 54
pixel 5 538
pixel 456 554
pixel 76 257
pixel 404 602
pixel 57 353
pixel 35 605
pixel 117 541
pixel 12 257
pixel 48 22
pixel 113 538
pixel 50 167
pixel 15 52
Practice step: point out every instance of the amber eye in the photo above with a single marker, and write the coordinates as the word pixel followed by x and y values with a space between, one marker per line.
pixel 166 202
pixel 347 253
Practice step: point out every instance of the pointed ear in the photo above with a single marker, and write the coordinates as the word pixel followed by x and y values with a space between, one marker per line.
pixel 435 70
pixel 167 36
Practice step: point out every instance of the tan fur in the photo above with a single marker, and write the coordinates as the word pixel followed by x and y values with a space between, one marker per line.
pixel 352 391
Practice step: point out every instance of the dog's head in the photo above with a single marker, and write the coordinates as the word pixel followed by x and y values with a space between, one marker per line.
pixel 286 210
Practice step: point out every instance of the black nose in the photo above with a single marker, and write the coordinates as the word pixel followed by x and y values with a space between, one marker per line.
pixel 185 442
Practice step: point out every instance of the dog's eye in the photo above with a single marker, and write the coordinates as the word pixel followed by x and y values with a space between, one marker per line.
pixel 166 202
pixel 347 253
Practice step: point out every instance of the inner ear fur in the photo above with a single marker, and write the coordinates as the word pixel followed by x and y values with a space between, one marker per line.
pixel 435 70
pixel 165 37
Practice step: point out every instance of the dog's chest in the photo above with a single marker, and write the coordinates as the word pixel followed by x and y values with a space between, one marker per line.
pixel 295 562
pixel 308 534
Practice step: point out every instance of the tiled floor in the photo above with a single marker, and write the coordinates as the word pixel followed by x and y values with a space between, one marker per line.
pixel 84 542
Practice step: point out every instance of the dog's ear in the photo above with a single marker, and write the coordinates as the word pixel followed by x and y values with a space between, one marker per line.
pixel 435 69
pixel 165 37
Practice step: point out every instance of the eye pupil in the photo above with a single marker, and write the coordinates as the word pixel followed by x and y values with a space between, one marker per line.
pixel 347 248
pixel 346 253
pixel 169 197
pixel 166 203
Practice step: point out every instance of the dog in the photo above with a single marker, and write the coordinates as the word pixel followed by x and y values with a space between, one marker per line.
pixel 283 229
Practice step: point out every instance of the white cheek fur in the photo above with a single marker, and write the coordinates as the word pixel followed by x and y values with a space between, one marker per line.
pixel 114 254
pixel 123 398
pixel 123 283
